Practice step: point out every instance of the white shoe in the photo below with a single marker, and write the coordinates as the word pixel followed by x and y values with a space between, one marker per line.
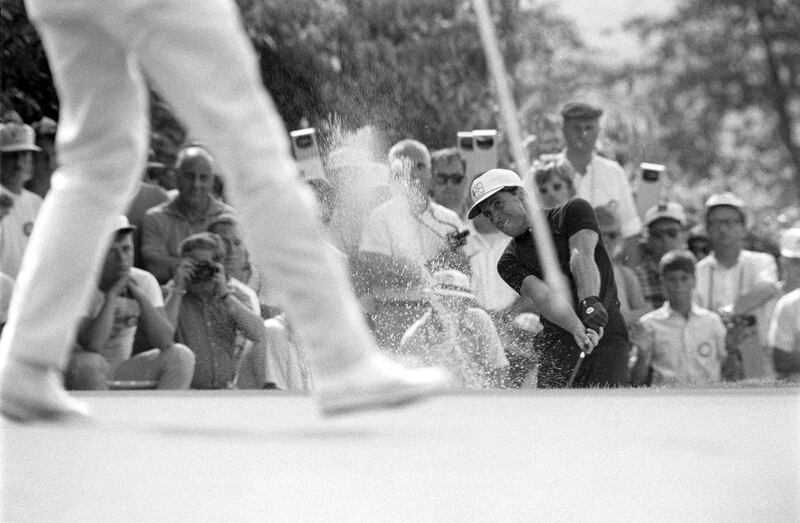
pixel 376 383
pixel 35 393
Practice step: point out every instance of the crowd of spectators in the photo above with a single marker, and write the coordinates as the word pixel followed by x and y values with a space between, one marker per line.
pixel 179 304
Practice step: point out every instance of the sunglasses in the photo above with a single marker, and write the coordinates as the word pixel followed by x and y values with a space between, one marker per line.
pixel 442 178
pixel 556 187
pixel 662 233
pixel 611 235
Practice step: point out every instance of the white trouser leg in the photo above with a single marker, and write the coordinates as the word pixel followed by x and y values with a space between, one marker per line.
pixel 202 63
pixel 102 149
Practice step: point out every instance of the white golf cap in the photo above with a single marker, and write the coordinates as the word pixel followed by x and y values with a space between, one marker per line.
pixel 489 183
pixel 451 282
pixel 121 224
pixel 790 243
pixel 668 210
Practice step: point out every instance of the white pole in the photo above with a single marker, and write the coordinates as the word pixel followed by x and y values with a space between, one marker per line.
pixel 541 233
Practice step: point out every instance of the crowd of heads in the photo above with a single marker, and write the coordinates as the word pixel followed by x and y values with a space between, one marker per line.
pixel 189 224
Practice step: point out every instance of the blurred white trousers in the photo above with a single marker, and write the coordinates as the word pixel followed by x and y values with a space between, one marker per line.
pixel 198 57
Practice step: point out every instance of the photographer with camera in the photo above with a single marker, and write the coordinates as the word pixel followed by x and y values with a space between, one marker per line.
pixel 207 313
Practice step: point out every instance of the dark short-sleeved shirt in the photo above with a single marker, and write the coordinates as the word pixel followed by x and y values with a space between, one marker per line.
pixel 521 260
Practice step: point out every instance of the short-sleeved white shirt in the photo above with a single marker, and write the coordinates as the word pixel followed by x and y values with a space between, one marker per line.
pixel 15 229
pixel 685 351
pixel 784 329
pixel 395 230
pixel 126 316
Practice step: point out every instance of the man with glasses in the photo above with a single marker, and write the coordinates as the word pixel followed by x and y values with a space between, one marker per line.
pixel 447 185
pixel 665 230
pixel 738 284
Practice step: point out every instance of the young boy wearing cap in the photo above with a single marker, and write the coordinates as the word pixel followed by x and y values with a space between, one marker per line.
pixel 665 228
pixel 737 284
pixel 589 319
pixel 126 300
pixel 17 145
pixel 784 329
pixel 683 343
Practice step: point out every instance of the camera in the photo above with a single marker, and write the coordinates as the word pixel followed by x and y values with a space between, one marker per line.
pixel 204 271
pixel 306 152
pixel 650 186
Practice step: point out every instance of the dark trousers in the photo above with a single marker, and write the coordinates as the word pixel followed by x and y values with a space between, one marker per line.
pixel 606 366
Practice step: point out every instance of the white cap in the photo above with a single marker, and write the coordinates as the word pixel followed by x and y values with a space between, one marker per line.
pixel 670 210
pixel 790 243
pixel 121 223
pixel 450 282
pixel 489 183
pixel 16 137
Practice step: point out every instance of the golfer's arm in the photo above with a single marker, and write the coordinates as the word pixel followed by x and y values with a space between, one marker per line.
pixel 582 265
pixel 551 304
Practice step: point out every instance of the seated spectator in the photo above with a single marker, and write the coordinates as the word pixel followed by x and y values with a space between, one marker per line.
pixel 403 240
pixel 194 207
pixel 208 313
pixel 127 300
pixel 682 342
pixel 665 226
pixel 784 328
pixel 448 187
pixel 738 284
pixel 456 334
pixel 20 205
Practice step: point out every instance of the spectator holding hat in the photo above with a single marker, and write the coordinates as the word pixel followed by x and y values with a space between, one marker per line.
pixel 665 230
pixel 17 145
pixel 737 284
pixel 587 320
pixel 784 329
pixel 456 334
pixel 127 301
pixel 597 179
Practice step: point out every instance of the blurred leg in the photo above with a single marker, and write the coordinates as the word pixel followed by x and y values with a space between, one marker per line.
pixel 87 371
pixel 102 148
pixel 172 368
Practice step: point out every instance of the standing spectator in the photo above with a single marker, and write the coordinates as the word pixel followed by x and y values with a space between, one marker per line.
pixel 45 162
pixel 456 334
pixel 784 328
pixel 553 180
pixel 737 284
pixel 683 343
pixel 665 231
pixel 16 167
pixel 448 187
pixel 207 314
pixel 165 226
pixel 588 319
pixel 403 239
pixel 597 179
pixel 125 301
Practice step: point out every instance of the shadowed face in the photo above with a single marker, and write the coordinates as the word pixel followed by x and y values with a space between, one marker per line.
pixel 581 135
pixel 119 259
pixel 553 192
pixel 449 187
pixel 506 212
pixel 678 287
pixel 665 235
pixel 16 167
pixel 725 226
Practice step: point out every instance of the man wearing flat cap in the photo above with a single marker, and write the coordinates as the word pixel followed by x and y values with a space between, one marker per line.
pixel 17 145
pixel 597 179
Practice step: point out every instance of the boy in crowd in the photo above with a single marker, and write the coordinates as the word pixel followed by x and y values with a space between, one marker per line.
pixel 682 342
pixel 127 299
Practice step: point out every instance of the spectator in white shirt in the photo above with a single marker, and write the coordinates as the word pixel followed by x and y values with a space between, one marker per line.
pixel 784 329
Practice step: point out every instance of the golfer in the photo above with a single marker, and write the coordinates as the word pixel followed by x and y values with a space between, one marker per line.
pixel 196 55
pixel 586 321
